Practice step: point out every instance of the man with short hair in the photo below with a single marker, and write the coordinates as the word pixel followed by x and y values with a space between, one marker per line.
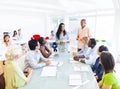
pixel 82 32
pixel 34 58
pixel 19 35
pixel 91 55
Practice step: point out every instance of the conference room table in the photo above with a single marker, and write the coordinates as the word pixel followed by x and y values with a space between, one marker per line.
pixel 62 78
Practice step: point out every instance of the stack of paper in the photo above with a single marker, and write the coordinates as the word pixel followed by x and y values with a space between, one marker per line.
pixel 81 68
pixel 56 63
pixel 75 79
pixel 49 71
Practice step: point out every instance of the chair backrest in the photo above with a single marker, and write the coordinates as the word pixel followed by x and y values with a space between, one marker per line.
pixel 1 67
pixel 21 62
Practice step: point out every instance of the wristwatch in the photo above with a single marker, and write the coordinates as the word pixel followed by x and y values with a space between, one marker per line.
pixel 79 60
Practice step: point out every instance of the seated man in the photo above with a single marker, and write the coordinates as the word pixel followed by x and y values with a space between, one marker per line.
pixel 34 58
pixel 54 46
pixel 97 67
pixel 91 55
pixel 43 48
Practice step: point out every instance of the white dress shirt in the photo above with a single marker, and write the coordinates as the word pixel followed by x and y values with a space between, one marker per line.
pixel 33 58
pixel 91 56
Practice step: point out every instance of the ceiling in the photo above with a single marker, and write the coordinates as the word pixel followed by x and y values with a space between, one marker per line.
pixel 57 7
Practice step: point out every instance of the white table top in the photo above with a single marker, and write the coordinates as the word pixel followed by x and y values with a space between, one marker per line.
pixel 62 78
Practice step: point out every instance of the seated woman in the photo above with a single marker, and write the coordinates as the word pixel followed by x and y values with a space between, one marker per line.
pixel 109 79
pixel 43 48
pixel 6 41
pixel 97 67
pixel 14 76
pixel 14 35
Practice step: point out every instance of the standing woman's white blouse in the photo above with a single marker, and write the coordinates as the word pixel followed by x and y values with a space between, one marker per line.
pixel 62 38
pixel 63 42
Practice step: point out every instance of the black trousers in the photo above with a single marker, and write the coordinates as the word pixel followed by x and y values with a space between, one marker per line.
pixel 2 82
pixel 78 49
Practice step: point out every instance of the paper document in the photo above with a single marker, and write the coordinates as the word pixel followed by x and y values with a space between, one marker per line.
pixel 75 79
pixel 81 68
pixel 49 71
pixel 56 63
pixel 75 76
pixel 83 83
pixel 75 82
pixel 73 61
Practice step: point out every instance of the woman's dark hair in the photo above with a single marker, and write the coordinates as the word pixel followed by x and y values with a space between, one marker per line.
pixel 14 33
pixel 59 31
pixel 32 44
pixel 107 61
pixel 5 37
pixel 41 40
pixel 102 48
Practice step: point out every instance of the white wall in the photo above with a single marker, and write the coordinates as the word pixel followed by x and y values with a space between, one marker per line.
pixel 116 39
pixel 30 24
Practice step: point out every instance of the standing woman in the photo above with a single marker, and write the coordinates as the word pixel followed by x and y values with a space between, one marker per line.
pixel 109 79
pixel 62 37
pixel 14 36
pixel 14 33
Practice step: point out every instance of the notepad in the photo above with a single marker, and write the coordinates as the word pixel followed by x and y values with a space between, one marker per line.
pixel 49 71
pixel 83 83
pixel 56 63
pixel 81 68
pixel 75 79
pixel 73 61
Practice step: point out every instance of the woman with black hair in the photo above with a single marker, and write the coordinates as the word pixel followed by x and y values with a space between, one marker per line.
pixel 62 37
pixel 46 52
pixel 97 67
pixel 14 33
pixel 14 36
pixel 7 41
pixel 109 79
